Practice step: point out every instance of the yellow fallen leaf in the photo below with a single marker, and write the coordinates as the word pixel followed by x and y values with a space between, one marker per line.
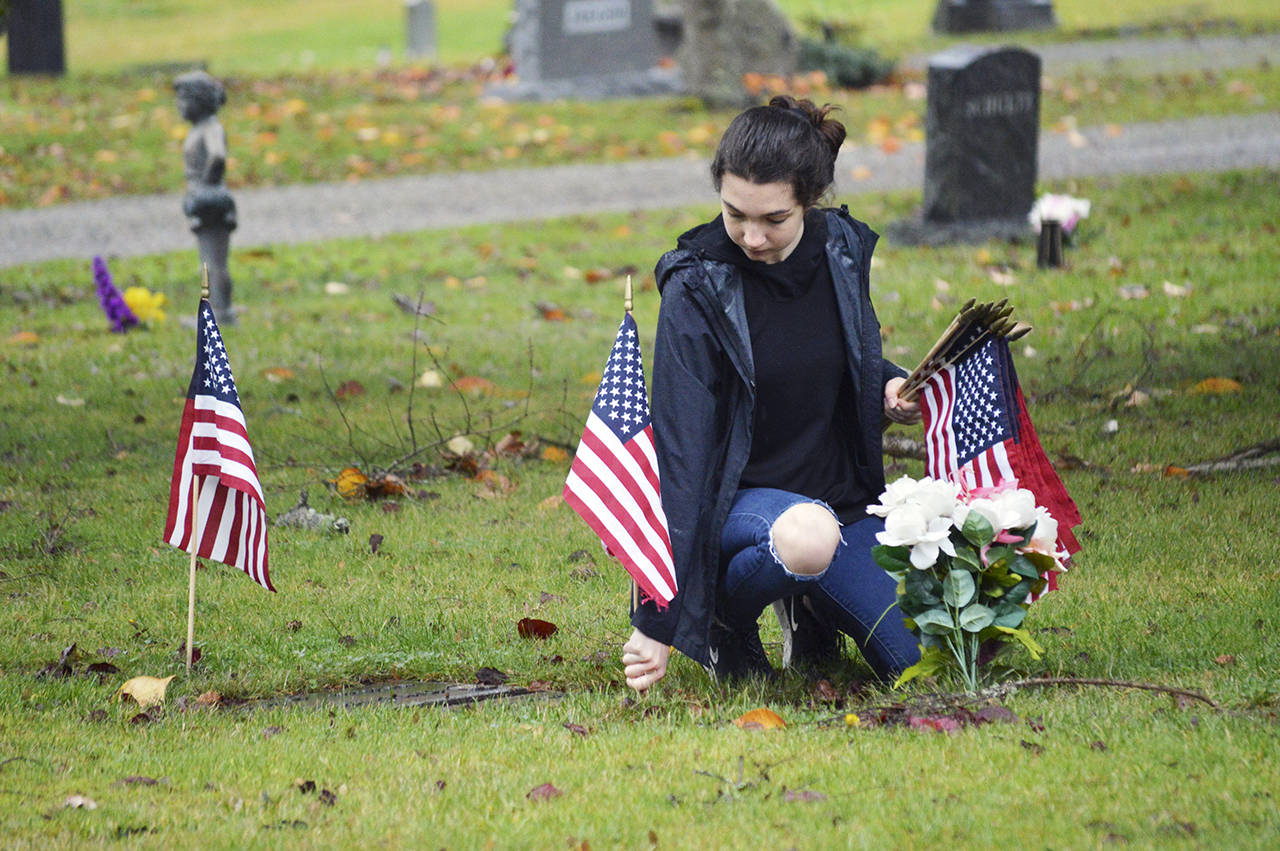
pixel 429 379
pixel 460 445
pixel 277 374
pixel 24 338
pixel 554 454
pixel 1217 386
pixel 551 503
pixel 762 719
pixel 147 691
pixel 350 483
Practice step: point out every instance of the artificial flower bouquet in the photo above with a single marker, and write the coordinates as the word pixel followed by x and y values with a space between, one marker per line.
pixel 967 563
pixel 1063 209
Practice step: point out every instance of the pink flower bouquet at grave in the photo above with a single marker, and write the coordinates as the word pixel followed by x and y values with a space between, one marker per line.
pixel 1063 209
pixel 113 303
pixel 967 562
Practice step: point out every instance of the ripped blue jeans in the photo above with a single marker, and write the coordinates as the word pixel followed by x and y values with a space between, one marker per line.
pixel 851 594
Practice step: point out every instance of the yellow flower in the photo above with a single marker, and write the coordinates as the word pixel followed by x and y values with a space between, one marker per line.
pixel 145 304
pixel 852 720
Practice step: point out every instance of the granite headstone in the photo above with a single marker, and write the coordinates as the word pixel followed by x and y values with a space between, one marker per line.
pixel 585 49
pixel 35 37
pixel 982 131
pixel 420 28
pixel 967 16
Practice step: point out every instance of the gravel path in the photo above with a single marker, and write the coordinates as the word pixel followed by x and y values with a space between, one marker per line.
pixel 132 226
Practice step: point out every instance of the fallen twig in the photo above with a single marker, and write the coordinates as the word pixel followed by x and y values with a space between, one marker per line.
pixel 1242 459
pixel 1005 688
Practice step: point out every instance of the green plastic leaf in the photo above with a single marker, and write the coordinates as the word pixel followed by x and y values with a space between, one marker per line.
pixel 958 588
pixel 976 617
pixel 977 529
pixel 1024 567
pixel 931 661
pixel 966 556
pixel 1033 647
pixel 923 587
pixel 892 559
pixel 1010 614
pixel 936 622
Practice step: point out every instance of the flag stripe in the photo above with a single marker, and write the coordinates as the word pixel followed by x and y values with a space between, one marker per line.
pixel 975 410
pixel 643 547
pixel 613 482
pixel 214 448
pixel 601 452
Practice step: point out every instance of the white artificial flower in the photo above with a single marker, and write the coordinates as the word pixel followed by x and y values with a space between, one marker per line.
pixel 895 494
pixel 924 553
pixel 904 526
pixel 938 497
pixel 1017 509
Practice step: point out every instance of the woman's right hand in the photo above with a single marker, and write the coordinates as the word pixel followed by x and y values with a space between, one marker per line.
pixel 644 661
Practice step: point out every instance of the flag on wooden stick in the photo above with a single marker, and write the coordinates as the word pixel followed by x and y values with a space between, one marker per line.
pixel 613 481
pixel 229 514
pixel 978 432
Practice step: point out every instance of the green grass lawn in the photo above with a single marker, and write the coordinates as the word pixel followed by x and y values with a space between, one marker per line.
pixel 243 37
pixel 1171 282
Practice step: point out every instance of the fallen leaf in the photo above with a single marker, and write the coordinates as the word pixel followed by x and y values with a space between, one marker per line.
pixel 802 795
pixel 493 485
pixel 349 389
pixel 430 379
pixel 80 802
pixel 1132 292
pixel 1225 659
pixel 350 483
pixel 535 628
pixel 147 691
pixel 545 792
pixel 136 780
pixel 375 542
pixel 209 698
pixel 1033 747
pixel 551 312
pixel 1175 290
pixel 760 719
pixel 937 723
pixel 474 386
pixel 277 374
pixel 70 401
pixel 554 454
pixel 1216 386
pixel 490 677
pixel 328 798
pixel 824 691
pixel 336 288
pixel 551 503
pixel 24 338
pixel 388 484
pixel 576 729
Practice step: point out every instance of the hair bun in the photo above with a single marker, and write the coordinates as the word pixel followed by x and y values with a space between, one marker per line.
pixel 831 131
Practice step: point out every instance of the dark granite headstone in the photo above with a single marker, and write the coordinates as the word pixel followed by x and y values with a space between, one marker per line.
pixel 967 16
pixel 585 49
pixel 35 37
pixel 982 130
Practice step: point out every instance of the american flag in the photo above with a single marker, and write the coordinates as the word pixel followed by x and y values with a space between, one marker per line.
pixel 613 481
pixel 213 444
pixel 978 432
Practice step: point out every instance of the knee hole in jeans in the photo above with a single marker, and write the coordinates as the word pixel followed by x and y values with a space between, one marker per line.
pixel 805 538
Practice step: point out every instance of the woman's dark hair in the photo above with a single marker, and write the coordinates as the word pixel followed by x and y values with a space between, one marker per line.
pixel 791 141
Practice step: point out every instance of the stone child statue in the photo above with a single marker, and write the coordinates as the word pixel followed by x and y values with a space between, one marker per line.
pixel 210 209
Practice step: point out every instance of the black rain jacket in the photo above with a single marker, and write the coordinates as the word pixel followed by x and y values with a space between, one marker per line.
pixel 703 395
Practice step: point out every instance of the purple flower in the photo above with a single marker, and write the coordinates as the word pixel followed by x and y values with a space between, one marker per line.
pixel 113 305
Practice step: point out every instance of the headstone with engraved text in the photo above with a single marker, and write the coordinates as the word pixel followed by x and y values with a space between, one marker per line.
pixel 967 16
pixel 585 49
pixel 982 131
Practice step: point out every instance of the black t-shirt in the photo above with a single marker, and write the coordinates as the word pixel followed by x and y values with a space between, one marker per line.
pixel 805 418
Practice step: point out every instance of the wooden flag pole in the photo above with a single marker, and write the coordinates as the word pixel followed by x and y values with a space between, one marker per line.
pixel 627 303
pixel 196 532
pixel 196 535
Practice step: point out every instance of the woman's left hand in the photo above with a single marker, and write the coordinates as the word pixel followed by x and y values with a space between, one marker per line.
pixel 896 408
